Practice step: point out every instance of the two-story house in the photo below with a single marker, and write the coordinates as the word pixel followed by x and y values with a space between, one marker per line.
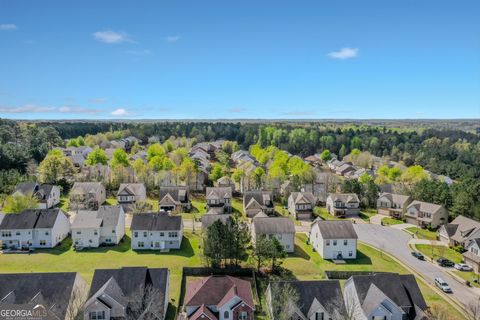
pixel 174 199
pixel 219 298
pixel 256 201
pixel 343 204
pixel 317 299
pixel 34 228
pixel 385 296
pixel 131 193
pixel 124 293
pixel 281 228
pixel 219 198
pixel 87 195
pixel 459 232
pixel 472 255
pixel 225 182
pixel 106 226
pixel 301 204
pixel 59 294
pixel 48 196
pixel 156 231
pixel 392 204
pixel 425 214
pixel 334 239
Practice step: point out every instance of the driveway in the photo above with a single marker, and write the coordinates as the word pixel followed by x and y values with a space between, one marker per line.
pixel 395 242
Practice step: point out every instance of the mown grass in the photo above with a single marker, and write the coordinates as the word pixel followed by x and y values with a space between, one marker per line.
pixel 387 221
pixel 434 252
pixel 422 233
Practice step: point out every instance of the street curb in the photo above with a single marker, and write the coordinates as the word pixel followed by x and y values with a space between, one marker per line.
pixel 454 303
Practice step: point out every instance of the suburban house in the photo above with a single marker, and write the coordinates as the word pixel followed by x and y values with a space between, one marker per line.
pixel 87 195
pixel 472 255
pixel 113 292
pixel 318 299
pixel 174 199
pixel 59 294
pixel 286 188
pixel 219 198
pixel 34 228
pixel 219 298
pixel 385 296
pixel 344 169
pixel 106 226
pixel 99 172
pixel 314 160
pixel 281 228
pixel 225 182
pixel 256 201
pixel 301 204
pixel 343 204
pixel 130 193
pixel 392 204
pixel 48 196
pixel 334 239
pixel 209 219
pixel 319 186
pixel 459 232
pixel 425 214
pixel 156 231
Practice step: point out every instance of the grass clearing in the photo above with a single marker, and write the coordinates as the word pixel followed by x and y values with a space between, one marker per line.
pixel 64 259
pixel 434 252
pixel 468 276
pixel 366 214
pixel 422 233
pixel 387 221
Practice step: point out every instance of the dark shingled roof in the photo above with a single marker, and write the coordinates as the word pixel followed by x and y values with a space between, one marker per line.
pixel 209 219
pixel 30 219
pixel 259 196
pixel 129 281
pixel 51 288
pixel 403 290
pixel 327 292
pixel 156 221
pixel 175 192
pixel 336 229
pixel 273 225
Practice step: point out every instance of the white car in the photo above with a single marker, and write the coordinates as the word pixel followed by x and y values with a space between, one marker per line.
pixel 463 267
pixel 443 285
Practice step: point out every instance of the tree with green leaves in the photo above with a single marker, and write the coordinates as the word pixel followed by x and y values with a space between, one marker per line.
pixel 326 155
pixel 16 203
pixel 217 172
pixel 155 150
pixel 56 168
pixel 120 158
pixel 261 250
pixel 97 156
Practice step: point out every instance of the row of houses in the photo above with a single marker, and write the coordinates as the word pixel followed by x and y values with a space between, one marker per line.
pixel 129 292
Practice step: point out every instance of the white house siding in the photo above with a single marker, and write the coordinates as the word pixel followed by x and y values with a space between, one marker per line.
pixel 330 248
pixel 156 240
pixel 16 238
pixel 287 240
pixel 86 237
pixel 61 228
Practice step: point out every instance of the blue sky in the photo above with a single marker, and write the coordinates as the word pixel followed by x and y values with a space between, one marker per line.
pixel 239 59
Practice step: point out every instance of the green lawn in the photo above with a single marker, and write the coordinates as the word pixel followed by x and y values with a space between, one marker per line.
pixel 387 221
pixel 64 259
pixel 468 276
pixel 439 251
pixel 323 213
pixel 422 233
pixel 237 205
pixel 111 201
pixel 367 214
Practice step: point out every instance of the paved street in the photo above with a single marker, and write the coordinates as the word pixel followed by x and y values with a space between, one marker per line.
pixel 395 242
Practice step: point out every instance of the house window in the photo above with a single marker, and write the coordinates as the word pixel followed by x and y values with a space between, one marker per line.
pixel 345 242
pixel 328 242
pixel 141 244
pixel 334 242
pixel 379 318
pixel 173 234
pixel 318 315
pixel 113 231
pixel 97 315
pixel 79 232
pixel 279 237
pixel 46 233
pixel 226 314
pixel 17 233
pixel 135 234
pixel 162 234
pixel 350 253
pixel 243 315
pixel 43 242
pixel 145 234
pixel 95 233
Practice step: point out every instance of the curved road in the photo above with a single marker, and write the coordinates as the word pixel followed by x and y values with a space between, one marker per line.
pixel 395 242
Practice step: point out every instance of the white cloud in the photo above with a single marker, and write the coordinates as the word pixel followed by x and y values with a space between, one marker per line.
pixel 144 52
pixel 111 37
pixel 172 39
pixel 8 27
pixel 344 53
pixel 120 112
pixel 32 108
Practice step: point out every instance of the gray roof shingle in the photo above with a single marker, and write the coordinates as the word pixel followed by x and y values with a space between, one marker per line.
pixel 156 222
pixel 336 229
pixel 273 225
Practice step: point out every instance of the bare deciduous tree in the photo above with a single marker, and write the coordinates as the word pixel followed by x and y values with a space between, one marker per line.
pixel 284 300
pixel 473 310
pixel 145 304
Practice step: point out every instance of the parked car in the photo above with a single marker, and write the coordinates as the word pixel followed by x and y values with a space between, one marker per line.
pixel 418 255
pixel 445 262
pixel 463 267
pixel 443 285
